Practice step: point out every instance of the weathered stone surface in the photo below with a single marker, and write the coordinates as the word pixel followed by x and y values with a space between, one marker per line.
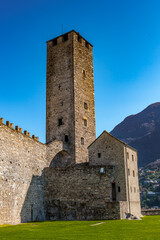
pixel 55 180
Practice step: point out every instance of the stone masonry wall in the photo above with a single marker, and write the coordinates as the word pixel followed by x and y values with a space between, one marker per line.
pixel 107 150
pixel 83 97
pixel 132 180
pixel 79 192
pixel 60 93
pixel 22 160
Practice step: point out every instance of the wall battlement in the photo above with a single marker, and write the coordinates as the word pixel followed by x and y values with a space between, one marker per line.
pixel 18 129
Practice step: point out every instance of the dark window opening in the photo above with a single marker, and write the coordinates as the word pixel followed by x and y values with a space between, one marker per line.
pixel 62 103
pixel 65 37
pixel 99 155
pixel 127 155
pixel 82 140
pixel 119 189
pixel 59 86
pixel 84 73
pixel 87 44
pixel 132 158
pixel 60 122
pixel 66 138
pixel 85 105
pixel 113 192
pixel 85 122
pixel 54 42
pixel 79 38
pixel 133 174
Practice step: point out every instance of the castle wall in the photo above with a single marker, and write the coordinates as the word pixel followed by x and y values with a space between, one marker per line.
pixel 22 160
pixel 106 150
pixel 80 192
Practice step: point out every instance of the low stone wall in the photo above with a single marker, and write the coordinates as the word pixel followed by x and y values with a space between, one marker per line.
pixel 150 212
pixel 81 192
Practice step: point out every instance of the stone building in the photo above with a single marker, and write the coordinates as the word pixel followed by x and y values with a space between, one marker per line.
pixel 74 175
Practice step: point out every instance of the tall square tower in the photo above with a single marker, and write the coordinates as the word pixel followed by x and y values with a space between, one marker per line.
pixel 70 108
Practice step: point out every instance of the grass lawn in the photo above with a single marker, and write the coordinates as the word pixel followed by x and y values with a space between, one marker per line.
pixel 147 229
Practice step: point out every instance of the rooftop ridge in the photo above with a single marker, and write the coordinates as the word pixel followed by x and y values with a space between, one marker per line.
pixel 18 129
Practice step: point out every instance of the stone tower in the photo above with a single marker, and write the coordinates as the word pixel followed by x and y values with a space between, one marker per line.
pixel 70 108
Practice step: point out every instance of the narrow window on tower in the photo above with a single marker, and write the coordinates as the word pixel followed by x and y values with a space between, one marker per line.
pixel 60 122
pixel 82 141
pixel 133 174
pixel 54 42
pixel 119 189
pixel 127 155
pixel 85 122
pixel 132 158
pixel 66 138
pixel 65 37
pixel 85 106
pixel 84 73
pixel 99 155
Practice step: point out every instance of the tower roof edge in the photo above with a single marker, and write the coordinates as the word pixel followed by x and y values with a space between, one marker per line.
pixel 67 33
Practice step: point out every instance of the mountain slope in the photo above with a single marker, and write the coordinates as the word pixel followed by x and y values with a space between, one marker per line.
pixel 142 131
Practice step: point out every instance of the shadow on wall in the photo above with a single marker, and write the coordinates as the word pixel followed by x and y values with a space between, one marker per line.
pixel 61 159
pixel 33 207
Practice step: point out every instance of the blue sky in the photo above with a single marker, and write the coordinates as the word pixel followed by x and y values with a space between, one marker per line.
pixel 126 39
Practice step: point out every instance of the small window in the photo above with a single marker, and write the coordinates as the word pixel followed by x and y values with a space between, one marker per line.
pixel 82 140
pixel 128 171
pixel 99 155
pixel 65 37
pixel 87 44
pixel 133 173
pixel 66 138
pixel 132 158
pixel 59 86
pixel 84 73
pixel 85 105
pixel 119 189
pixel 79 38
pixel 61 103
pixel 54 42
pixel 60 122
pixel 134 189
pixel 85 122
pixel 127 155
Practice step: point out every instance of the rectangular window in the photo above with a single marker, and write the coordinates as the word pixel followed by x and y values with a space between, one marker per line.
pixel 133 173
pixel 119 189
pixel 85 122
pixel 127 155
pixel 85 106
pixel 60 122
pixel 99 155
pixel 82 141
pixel 84 73
pixel 132 158
pixel 66 138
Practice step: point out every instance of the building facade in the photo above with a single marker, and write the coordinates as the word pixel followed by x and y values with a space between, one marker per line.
pixel 74 175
